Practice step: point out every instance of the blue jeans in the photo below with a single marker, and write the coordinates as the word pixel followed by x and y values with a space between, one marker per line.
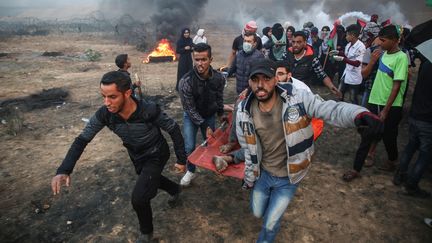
pixel 269 199
pixel 238 156
pixel 365 98
pixel 420 138
pixel 189 134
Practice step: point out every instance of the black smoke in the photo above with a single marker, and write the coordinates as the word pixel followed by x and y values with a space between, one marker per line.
pixel 161 18
pixel 171 16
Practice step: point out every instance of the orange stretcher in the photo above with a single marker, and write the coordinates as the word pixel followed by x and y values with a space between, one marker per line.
pixel 203 154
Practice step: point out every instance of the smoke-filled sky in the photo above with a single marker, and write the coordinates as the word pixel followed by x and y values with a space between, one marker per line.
pixel 237 12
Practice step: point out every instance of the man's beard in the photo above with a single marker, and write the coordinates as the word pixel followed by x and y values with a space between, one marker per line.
pixel 298 51
pixel 121 106
pixel 269 95
pixel 284 80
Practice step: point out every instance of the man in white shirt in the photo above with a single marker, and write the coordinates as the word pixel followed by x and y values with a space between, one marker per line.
pixel 353 57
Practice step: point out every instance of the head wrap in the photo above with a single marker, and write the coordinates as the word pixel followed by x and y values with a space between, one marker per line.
pixel 200 32
pixel 251 26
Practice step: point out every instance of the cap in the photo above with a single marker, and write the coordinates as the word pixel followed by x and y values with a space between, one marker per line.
pixel 314 30
pixel 263 66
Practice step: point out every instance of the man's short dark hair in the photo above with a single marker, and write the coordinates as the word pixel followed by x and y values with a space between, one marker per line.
pixel 202 47
pixel 121 79
pixel 300 33
pixel 252 34
pixel 389 32
pixel 354 30
pixel 121 60
pixel 283 64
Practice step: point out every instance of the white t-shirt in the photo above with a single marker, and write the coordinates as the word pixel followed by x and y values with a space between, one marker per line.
pixel 352 74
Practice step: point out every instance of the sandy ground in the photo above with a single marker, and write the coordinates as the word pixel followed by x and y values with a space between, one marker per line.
pixel 96 208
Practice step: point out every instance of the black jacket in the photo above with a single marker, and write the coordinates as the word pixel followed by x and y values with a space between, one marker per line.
pixel 141 135
pixel 421 107
pixel 301 69
pixel 202 98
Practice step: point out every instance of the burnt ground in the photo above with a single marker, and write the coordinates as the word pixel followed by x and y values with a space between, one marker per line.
pixel 96 208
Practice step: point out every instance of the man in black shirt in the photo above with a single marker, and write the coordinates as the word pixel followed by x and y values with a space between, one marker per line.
pixel 420 135
pixel 138 124
pixel 123 62
pixel 201 95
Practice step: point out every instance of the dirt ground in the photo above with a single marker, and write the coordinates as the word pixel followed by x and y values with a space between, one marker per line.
pixel 97 208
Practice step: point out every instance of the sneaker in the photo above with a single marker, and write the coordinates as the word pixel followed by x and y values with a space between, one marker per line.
pixel 388 166
pixel 399 178
pixel 187 178
pixel 145 238
pixel 174 199
pixel 428 222
pixel 350 175
pixel 415 191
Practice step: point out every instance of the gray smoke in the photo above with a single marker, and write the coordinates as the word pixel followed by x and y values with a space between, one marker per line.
pixel 320 12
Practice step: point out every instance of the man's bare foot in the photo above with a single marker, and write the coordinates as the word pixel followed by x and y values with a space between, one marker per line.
pixel 221 162
pixel 226 148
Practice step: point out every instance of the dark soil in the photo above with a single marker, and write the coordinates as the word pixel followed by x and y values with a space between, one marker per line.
pixel 97 208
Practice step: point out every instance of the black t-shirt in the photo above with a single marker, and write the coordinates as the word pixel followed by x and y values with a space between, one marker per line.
pixel 421 108
pixel 238 43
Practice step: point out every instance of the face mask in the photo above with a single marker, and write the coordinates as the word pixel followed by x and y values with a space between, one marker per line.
pixel 247 47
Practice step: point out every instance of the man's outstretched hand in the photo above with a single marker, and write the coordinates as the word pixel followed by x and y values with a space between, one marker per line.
pixel 58 180
pixel 369 125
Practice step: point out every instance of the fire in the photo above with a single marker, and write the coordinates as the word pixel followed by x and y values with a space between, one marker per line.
pixel 163 49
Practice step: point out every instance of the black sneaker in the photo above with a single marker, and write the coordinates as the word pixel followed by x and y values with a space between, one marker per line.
pixel 399 178
pixel 145 238
pixel 174 199
pixel 416 192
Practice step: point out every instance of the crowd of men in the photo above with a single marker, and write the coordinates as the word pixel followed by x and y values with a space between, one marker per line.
pixel 273 112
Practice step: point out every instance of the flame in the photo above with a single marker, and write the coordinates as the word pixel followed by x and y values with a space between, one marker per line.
pixel 163 48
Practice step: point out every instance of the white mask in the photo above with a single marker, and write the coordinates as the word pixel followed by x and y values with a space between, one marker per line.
pixel 247 47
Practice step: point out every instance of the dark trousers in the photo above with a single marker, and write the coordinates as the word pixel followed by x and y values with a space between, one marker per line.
pixel 354 91
pixel 420 138
pixel 146 187
pixel 391 130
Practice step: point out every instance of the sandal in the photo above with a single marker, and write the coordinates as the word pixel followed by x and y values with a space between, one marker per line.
pixel 350 175
pixel 369 161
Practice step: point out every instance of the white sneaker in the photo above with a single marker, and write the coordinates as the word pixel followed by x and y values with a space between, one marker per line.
pixel 187 178
pixel 428 221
